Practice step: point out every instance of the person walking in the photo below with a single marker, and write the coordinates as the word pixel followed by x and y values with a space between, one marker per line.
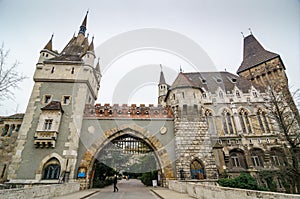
pixel 115 183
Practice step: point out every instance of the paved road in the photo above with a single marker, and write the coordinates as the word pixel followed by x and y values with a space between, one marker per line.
pixel 128 189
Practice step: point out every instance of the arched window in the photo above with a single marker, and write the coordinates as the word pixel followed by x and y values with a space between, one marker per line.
pixel 227 123
pixel 237 159
pixel 197 170
pixel 257 157
pixel 277 157
pixel 245 122
pixel 263 121
pixel 210 122
pixel 51 170
pixel 221 95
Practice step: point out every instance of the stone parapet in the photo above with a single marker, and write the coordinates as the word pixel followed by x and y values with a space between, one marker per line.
pixel 40 192
pixel 128 111
pixel 208 191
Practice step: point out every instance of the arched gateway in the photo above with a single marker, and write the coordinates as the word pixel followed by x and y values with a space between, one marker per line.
pixel 102 128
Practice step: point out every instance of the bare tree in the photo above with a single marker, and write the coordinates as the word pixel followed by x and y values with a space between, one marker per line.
pixel 285 121
pixel 9 75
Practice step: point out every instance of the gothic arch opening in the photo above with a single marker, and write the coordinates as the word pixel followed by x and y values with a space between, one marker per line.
pixel 128 140
pixel 51 170
pixel 126 155
pixel 197 169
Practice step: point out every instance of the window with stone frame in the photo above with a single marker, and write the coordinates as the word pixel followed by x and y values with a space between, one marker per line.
pixel 237 159
pixel 195 109
pixel 48 124
pixel 221 96
pixel 47 99
pixel 184 109
pixel 277 157
pixel 210 121
pixel 263 121
pixel 51 170
pixel 227 120
pixel 257 157
pixel 245 122
pixel 11 129
pixel 237 93
pixel 5 130
pixel 66 100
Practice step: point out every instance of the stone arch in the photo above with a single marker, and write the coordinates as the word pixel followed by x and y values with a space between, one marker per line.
pixel 257 157
pixel 197 169
pixel 39 171
pixel 237 159
pixel 134 130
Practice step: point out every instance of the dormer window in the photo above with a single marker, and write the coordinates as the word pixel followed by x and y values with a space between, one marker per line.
pixel 221 95
pixel 237 93
pixel 204 81
pixel 254 93
pixel 219 80
pixel 204 95
pixel 233 80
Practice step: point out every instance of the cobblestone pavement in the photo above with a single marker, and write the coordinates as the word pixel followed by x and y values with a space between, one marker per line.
pixel 128 189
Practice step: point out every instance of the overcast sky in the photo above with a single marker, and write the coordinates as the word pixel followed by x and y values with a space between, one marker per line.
pixel 215 26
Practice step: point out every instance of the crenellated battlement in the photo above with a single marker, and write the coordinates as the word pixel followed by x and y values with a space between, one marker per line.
pixel 128 111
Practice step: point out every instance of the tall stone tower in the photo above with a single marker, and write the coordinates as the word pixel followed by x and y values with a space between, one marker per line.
pixel 266 69
pixel 162 88
pixel 49 137
pixel 193 144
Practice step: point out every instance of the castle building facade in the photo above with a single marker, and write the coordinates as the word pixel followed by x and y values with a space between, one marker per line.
pixel 206 124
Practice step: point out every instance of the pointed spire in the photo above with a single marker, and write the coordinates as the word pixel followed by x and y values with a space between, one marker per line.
pixel 49 44
pixel 83 25
pixel 91 46
pixel 98 70
pixel 162 77
pixel 180 69
pixel 254 54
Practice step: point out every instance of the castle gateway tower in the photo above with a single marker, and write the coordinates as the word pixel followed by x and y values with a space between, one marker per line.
pixel 49 137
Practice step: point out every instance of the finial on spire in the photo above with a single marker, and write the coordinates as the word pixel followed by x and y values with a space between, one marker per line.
pixel 250 30
pixel 87 35
pixel 83 25
pixel 160 67
pixel 243 34
pixel 180 69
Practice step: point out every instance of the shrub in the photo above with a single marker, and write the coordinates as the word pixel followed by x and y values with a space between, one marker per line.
pixel 243 181
pixel 148 177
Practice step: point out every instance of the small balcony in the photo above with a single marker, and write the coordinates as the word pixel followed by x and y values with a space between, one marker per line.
pixel 45 139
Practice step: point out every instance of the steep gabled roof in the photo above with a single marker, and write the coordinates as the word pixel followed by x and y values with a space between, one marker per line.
pixel 162 78
pixel 211 81
pixel 183 81
pixel 254 54
pixel 14 116
pixel 54 106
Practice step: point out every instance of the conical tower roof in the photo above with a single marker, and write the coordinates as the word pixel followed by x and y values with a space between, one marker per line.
pixel 98 70
pixel 162 78
pixel 254 54
pixel 49 44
